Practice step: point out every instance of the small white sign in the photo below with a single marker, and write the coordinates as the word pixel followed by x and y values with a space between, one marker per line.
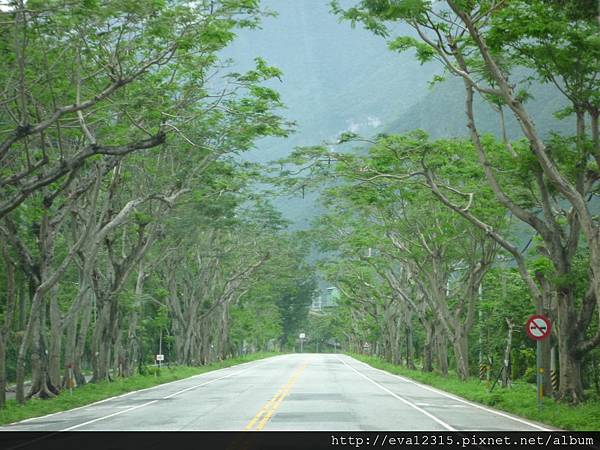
pixel 160 357
pixel 302 336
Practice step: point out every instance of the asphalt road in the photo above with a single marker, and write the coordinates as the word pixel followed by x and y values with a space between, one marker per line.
pixel 300 392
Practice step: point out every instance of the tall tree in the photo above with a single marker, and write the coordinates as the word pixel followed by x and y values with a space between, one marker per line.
pixel 468 39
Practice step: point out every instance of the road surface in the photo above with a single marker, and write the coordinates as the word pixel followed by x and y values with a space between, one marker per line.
pixel 300 392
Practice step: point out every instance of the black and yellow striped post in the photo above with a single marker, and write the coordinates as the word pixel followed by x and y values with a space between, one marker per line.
pixel 482 371
pixel 554 379
pixel 553 371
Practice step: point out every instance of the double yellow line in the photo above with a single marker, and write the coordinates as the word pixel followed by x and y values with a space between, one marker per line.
pixel 261 418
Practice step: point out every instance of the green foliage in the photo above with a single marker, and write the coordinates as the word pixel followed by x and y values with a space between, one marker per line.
pixel 423 51
pixel 557 39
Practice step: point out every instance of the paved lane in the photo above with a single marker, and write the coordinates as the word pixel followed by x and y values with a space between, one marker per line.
pixel 288 392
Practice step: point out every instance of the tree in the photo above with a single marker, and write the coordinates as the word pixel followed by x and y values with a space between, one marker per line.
pixel 87 89
pixel 468 39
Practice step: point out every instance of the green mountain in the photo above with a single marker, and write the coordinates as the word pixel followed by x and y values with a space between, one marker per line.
pixel 441 112
pixel 338 79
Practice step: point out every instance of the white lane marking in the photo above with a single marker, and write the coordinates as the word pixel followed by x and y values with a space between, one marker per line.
pixel 142 390
pixel 409 403
pixel 459 399
pixel 110 415
pixel 168 396
pixel 90 404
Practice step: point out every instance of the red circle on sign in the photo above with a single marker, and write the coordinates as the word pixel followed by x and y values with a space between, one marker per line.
pixel 538 327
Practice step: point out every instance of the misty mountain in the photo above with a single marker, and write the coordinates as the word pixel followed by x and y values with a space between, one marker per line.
pixel 441 112
pixel 335 79
pixel 338 79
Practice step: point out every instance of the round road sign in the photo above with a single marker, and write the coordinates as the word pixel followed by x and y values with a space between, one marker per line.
pixel 538 327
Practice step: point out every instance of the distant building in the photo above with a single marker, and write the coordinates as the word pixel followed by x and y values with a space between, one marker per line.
pixel 331 298
pixel 317 303
pixel 327 297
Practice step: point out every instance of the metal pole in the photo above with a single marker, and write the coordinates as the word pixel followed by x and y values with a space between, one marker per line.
pixel 301 346
pixel 160 347
pixel 539 371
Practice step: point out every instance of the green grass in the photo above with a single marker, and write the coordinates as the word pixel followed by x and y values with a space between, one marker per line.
pixel 93 392
pixel 519 399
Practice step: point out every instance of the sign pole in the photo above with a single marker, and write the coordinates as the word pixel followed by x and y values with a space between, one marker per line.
pixel 538 328
pixel 160 348
pixel 538 358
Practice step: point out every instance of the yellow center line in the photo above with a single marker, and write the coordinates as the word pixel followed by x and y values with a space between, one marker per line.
pixel 266 412
pixel 263 410
pixel 275 405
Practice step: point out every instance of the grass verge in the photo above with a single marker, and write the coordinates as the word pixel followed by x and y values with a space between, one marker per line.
pixel 519 399
pixel 94 392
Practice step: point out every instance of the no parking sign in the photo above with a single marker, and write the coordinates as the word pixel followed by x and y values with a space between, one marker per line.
pixel 538 327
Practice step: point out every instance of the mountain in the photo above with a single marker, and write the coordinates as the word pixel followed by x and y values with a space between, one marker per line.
pixel 441 112
pixel 335 79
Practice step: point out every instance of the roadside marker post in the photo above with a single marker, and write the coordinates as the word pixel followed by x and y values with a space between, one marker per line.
pixel 538 328
pixel 70 379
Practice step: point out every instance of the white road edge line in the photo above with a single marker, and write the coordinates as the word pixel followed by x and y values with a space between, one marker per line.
pixel 97 419
pixel 409 403
pixel 154 401
pixel 110 415
pixel 31 419
pixel 459 399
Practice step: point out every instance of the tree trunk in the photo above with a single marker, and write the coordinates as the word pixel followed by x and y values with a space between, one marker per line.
pixel 428 349
pixel 101 342
pixel 25 341
pixel 2 372
pixel 86 318
pixel 41 386
pixel 441 349
pixel 410 347
pixel 546 356
pixel 570 387
pixel 55 340
pixel 132 352
pixel 36 358
pixel 224 332
pixel 69 352
pixel 23 297
pixel 118 357
pixel 391 331
pixel 8 320
pixel 507 353
pixel 461 354
pixel 595 374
